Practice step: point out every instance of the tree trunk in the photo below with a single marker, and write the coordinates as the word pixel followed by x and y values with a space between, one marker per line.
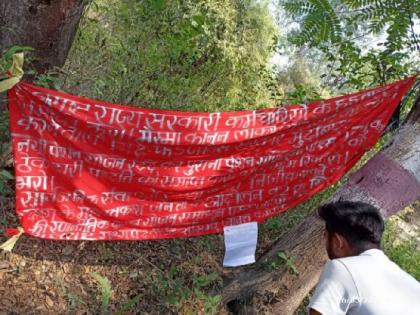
pixel 48 26
pixel 390 181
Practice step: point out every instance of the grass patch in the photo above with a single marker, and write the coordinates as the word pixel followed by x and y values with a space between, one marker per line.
pixel 405 254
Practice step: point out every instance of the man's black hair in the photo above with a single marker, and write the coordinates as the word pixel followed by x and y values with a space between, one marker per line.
pixel 361 224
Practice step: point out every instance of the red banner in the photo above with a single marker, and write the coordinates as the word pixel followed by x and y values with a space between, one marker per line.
pixel 91 170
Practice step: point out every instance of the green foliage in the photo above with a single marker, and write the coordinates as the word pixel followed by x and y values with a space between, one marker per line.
pixel 337 28
pixel 396 16
pixel 282 259
pixel 301 95
pixel 73 299
pixel 6 61
pixel 4 130
pixel 129 305
pixel 173 289
pixel 205 243
pixel 321 23
pixel 105 253
pixel 105 290
pixel 211 304
pixel 48 80
pixel 5 64
pixel 405 254
pixel 190 55
pixel 331 21
pixel 206 280
pixel 373 68
pixel 4 176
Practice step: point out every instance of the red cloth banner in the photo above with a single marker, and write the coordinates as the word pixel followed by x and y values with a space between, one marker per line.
pixel 92 170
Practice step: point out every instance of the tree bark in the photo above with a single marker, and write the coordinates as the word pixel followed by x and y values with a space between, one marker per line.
pixel 48 26
pixel 390 181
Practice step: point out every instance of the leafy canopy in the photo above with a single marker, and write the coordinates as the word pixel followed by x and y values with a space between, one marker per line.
pixel 182 54
pixel 337 28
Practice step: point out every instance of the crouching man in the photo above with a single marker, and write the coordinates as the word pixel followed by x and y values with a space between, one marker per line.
pixel 360 279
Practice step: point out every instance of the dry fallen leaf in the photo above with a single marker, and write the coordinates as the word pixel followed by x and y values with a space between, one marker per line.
pixel 49 302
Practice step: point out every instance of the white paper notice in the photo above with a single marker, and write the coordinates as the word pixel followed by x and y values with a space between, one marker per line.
pixel 240 244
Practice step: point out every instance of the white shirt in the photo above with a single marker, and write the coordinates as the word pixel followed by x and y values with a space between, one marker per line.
pixel 368 284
